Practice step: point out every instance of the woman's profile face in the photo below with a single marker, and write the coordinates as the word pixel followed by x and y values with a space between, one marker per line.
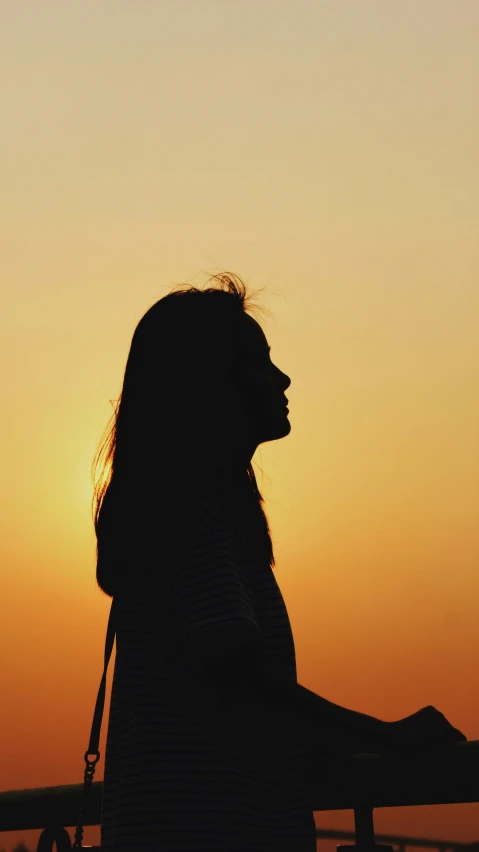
pixel 262 386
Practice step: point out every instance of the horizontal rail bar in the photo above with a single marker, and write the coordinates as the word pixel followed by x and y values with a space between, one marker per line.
pixel 399 840
pixel 441 776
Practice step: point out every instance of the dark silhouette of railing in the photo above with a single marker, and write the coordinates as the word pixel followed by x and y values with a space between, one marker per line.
pixel 440 776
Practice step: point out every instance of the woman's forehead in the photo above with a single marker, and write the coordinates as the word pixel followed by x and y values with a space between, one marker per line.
pixel 252 336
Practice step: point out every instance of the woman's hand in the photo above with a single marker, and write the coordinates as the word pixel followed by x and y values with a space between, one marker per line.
pixel 424 729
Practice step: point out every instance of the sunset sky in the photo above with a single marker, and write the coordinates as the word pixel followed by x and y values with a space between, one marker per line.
pixel 327 150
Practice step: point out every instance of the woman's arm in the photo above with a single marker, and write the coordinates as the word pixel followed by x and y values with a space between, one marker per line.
pixel 316 707
pixel 243 673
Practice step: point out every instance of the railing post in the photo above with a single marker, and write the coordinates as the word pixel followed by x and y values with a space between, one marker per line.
pixel 364 829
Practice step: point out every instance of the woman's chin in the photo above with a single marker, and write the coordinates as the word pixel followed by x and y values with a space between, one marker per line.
pixel 279 430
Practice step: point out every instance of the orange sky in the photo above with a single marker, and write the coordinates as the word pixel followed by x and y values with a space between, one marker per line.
pixel 330 151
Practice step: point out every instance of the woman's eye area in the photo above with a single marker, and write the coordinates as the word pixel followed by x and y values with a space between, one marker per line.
pixel 251 367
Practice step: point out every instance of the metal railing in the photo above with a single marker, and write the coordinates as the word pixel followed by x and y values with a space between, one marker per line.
pixel 441 776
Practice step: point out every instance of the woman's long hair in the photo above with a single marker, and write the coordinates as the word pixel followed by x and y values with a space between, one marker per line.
pixel 176 416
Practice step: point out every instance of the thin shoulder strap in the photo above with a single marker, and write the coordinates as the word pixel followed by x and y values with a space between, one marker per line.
pixel 100 701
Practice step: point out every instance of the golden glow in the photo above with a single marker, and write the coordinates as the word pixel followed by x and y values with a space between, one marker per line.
pixel 329 151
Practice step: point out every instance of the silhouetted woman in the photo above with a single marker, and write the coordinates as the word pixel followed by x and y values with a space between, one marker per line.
pixel 208 725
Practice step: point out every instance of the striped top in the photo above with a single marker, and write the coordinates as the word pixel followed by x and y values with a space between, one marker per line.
pixel 174 781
